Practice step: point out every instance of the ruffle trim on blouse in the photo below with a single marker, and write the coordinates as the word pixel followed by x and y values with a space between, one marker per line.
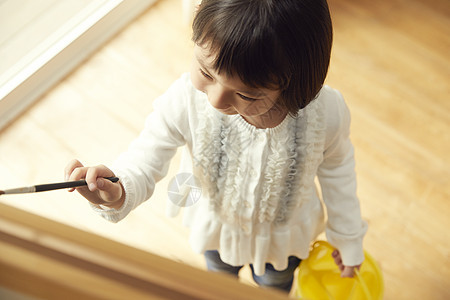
pixel 310 143
pixel 281 151
pixel 207 158
pixel 230 170
pixel 298 142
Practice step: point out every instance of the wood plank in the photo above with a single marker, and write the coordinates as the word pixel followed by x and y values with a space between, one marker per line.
pixel 55 261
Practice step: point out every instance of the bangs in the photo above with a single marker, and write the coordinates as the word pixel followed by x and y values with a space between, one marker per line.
pixel 244 45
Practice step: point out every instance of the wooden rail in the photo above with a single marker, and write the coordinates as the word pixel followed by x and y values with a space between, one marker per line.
pixel 50 260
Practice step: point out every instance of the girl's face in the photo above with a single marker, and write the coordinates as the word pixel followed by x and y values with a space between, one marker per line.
pixel 230 96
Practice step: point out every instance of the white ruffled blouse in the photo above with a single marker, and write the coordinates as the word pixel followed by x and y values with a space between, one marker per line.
pixel 258 202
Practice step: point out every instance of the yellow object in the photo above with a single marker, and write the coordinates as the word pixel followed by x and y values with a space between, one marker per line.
pixel 319 277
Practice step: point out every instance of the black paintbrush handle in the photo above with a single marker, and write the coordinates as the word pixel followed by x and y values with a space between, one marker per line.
pixel 66 185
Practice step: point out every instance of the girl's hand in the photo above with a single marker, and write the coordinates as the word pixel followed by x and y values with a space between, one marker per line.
pixel 346 271
pixel 99 190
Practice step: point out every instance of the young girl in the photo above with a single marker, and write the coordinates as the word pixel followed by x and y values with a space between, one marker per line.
pixel 258 126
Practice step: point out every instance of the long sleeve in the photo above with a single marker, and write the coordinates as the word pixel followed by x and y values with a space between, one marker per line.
pixel 148 157
pixel 345 229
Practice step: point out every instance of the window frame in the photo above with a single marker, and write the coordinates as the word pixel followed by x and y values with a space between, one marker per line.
pixel 92 31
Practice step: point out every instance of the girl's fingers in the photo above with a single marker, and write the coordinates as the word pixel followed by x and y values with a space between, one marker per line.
pixel 69 171
pixel 337 259
pixel 347 272
pixel 105 189
pixel 72 165
pixel 77 174
pixel 109 191
pixel 95 175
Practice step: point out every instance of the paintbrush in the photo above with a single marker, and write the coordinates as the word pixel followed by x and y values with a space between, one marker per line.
pixel 50 186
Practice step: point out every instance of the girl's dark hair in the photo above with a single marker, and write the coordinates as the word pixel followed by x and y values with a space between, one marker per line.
pixel 279 44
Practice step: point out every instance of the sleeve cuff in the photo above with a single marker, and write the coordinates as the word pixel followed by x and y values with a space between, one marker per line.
pixel 350 247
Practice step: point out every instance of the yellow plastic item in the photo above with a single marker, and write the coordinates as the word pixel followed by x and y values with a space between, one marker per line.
pixel 319 277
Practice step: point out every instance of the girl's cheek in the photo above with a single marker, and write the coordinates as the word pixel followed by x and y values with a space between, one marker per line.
pixel 197 82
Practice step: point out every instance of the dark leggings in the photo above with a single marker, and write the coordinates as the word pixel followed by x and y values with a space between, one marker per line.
pixel 272 278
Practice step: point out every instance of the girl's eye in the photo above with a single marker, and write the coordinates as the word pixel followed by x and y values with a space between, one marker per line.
pixel 205 74
pixel 247 98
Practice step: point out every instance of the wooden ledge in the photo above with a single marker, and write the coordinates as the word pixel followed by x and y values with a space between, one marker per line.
pixel 47 259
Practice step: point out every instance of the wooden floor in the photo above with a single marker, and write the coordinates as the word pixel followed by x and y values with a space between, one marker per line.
pixel 390 60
